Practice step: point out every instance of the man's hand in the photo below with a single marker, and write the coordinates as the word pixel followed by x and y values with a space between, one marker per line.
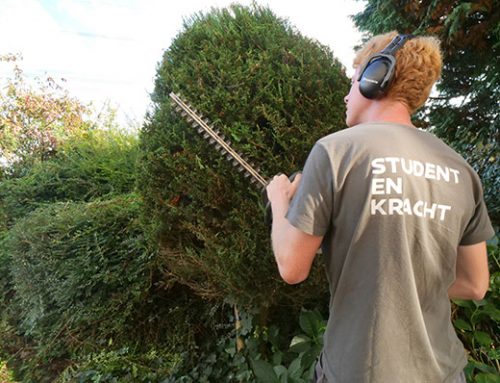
pixel 280 191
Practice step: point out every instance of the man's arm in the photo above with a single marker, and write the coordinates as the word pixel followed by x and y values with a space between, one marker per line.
pixel 473 277
pixel 293 249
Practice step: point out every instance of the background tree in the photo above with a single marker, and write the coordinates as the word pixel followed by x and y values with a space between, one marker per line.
pixel 76 273
pixel 35 118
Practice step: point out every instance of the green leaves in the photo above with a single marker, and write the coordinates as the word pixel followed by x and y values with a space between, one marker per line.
pixel 478 325
pixel 312 324
pixel 483 338
pixel 304 348
pixel 264 371
pixel 263 85
pixel 462 325
pixel 95 165
pixel 300 343
pixel 80 272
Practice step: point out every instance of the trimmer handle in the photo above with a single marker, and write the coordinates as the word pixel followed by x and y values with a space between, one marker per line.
pixel 268 219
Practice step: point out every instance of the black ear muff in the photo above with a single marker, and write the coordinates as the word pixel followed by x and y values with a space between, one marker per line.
pixel 377 74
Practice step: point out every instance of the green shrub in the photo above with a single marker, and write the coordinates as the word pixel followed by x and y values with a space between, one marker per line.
pixel 80 271
pixel 478 325
pixel 273 93
pixel 122 366
pixel 5 282
pixel 92 165
pixel 270 355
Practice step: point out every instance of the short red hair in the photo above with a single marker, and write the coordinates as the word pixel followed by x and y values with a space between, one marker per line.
pixel 418 67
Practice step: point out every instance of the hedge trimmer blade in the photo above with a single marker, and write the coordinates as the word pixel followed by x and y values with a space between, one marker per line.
pixel 214 137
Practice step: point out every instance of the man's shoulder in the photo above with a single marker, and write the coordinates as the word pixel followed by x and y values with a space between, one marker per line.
pixel 337 137
pixel 353 135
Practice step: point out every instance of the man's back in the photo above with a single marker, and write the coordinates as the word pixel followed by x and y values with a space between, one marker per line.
pixel 399 204
pixel 390 205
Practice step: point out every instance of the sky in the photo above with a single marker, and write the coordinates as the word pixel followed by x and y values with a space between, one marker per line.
pixel 108 50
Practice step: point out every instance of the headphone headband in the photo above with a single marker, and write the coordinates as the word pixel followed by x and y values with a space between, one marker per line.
pixel 396 43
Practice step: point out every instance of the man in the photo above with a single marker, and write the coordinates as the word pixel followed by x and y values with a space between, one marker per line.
pixel 401 221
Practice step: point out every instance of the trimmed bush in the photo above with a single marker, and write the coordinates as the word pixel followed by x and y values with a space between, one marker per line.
pixel 92 165
pixel 273 93
pixel 80 272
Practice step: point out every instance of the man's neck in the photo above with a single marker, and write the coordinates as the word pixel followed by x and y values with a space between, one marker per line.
pixel 387 111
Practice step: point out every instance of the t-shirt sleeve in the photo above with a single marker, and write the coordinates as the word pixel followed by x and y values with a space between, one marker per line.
pixel 479 228
pixel 311 207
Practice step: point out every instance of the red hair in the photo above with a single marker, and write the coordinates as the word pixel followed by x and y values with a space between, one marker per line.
pixel 418 67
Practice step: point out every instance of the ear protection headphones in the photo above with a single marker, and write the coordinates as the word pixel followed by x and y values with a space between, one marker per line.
pixel 377 74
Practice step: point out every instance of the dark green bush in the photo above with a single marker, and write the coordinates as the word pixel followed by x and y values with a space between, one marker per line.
pixel 80 272
pixel 273 93
pixel 122 366
pixel 5 283
pixel 94 164
pixel 270 355
pixel 478 325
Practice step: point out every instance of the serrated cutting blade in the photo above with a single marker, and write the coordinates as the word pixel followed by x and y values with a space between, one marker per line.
pixel 210 134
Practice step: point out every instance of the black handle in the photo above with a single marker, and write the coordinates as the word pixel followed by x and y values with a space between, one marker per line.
pixel 268 219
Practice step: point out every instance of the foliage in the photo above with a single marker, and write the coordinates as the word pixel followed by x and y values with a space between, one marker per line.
pixel 34 119
pixel 273 93
pixel 88 284
pixel 466 113
pixel 80 271
pixel 478 325
pixel 86 293
pixel 269 356
pixel 5 281
pixel 93 164
pixel 5 374
pixel 304 349
pixel 121 365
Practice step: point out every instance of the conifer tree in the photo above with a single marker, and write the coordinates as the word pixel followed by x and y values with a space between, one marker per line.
pixel 273 93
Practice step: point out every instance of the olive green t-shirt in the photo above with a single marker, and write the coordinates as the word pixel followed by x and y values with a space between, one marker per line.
pixel 393 204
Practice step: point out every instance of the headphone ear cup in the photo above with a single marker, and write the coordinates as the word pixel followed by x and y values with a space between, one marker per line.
pixel 375 77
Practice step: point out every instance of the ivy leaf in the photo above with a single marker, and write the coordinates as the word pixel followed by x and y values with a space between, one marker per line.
pixel 463 303
pixel 310 323
pixel 462 325
pixel 300 343
pixel 483 338
pixel 264 372
pixel 280 371
pixel 492 312
pixel 295 368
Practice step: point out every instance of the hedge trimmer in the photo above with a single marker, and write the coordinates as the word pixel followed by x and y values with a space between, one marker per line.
pixel 224 146
pixel 215 138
